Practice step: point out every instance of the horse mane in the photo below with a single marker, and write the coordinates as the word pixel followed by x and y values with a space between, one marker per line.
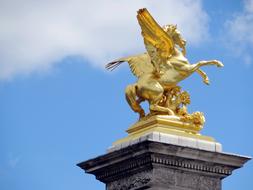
pixel 170 29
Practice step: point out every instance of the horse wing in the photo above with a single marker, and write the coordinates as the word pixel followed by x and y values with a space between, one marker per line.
pixel 159 44
pixel 139 64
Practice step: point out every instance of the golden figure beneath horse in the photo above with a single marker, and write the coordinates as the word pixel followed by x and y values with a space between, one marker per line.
pixel 160 69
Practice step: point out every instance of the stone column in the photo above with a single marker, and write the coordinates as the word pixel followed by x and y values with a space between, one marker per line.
pixel 159 161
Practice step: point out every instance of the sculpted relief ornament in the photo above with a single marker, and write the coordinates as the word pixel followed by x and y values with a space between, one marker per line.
pixel 158 72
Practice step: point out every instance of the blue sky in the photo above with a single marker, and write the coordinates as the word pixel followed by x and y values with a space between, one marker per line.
pixel 58 106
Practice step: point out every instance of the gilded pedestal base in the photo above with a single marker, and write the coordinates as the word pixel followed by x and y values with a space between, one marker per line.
pixel 164 124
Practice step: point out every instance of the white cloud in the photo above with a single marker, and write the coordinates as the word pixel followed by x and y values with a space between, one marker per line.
pixel 240 35
pixel 34 35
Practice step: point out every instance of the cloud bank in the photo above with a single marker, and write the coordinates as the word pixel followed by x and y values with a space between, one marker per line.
pixel 240 32
pixel 35 35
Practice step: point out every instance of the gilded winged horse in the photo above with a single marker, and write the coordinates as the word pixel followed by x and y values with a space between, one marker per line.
pixel 161 67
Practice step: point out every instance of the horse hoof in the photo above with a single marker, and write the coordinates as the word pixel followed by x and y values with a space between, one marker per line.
pixel 219 64
pixel 207 82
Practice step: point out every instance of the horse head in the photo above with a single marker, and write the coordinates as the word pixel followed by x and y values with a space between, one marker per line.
pixel 176 36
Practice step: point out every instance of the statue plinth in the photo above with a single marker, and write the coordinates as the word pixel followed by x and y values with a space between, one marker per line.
pixel 158 161
pixel 165 124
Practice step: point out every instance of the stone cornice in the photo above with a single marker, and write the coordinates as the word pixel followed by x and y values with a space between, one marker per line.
pixel 147 155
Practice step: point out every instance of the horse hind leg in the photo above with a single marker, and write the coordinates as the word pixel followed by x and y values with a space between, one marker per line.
pixel 131 95
pixel 154 106
pixel 154 102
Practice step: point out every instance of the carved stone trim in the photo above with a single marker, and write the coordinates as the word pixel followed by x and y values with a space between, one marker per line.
pixel 134 165
pixel 190 164
pixel 122 169
pixel 154 165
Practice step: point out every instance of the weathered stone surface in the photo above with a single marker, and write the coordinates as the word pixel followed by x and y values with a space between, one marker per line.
pixel 135 181
pixel 159 166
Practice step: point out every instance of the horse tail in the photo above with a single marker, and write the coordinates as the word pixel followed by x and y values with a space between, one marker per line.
pixel 114 64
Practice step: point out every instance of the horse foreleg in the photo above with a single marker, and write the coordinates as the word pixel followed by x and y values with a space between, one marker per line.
pixel 211 62
pixel 194 67
pixel 203 75
pixel 130 93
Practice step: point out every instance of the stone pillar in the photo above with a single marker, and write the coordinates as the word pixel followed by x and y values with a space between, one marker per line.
pixel 159 161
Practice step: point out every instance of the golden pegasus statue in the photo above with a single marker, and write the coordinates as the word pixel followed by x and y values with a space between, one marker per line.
pixel 159 70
